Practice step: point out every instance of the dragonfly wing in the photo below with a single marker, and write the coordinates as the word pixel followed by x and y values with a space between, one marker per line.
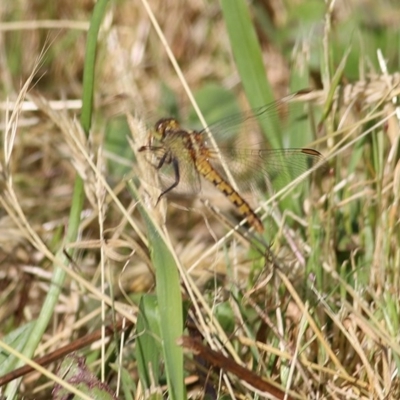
pixel 185 178
pixel 265 168
pixel 188 178
pixel 278 112
pixel 248 120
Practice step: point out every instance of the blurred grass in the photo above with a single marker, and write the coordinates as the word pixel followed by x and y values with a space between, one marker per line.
pixel 337 243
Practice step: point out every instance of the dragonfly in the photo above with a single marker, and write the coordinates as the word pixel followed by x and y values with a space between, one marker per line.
pixel 190 156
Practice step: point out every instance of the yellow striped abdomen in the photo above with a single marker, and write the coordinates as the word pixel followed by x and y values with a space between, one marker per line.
pixel 208 172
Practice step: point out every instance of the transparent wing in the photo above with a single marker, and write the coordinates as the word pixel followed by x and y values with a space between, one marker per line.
pixel 188 178
pixel 249 121
pixel 251 162
pixel 265 168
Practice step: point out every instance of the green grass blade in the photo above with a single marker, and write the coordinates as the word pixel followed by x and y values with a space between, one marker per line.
pixel 148 345
pixel 248 59
pixel 89 66
pixel 17 340
pixel 169 300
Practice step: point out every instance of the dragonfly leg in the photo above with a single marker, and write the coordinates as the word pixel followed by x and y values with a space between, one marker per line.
pixel 175 166
pixel 163 159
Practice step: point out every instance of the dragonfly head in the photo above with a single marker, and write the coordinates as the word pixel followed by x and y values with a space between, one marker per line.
pixel 165 125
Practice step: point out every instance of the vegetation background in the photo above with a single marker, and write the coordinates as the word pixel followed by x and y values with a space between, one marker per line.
pixel 310 308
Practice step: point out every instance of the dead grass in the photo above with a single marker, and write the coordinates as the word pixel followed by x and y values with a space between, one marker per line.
pixel 323 325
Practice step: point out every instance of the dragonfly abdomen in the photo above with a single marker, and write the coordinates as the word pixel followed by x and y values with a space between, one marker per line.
pixel 208 172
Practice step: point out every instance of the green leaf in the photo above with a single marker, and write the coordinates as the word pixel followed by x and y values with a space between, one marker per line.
pixel 17 340
pixel 249 62
pixel 169 300
pixel 148 345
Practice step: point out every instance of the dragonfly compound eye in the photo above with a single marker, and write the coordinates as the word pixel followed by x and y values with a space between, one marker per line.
pixel 166 125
